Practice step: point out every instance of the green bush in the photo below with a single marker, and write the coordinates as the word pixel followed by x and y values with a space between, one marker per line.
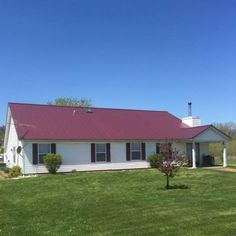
pixel 153 160
pixel 6 170
pixel 2 165
pixel 52 162
pixel 15 171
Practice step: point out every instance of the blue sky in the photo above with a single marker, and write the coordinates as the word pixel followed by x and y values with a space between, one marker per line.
pixel 148 54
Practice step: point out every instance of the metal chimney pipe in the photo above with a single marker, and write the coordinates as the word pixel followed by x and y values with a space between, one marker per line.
pixel 189 109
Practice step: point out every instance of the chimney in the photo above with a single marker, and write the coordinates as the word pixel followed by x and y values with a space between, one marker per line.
pixel 189 109
pixel 191 120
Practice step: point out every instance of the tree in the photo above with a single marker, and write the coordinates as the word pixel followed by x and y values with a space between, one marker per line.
pixel 169 162
pixel 2 133
pixel 229 128
pixel 62 101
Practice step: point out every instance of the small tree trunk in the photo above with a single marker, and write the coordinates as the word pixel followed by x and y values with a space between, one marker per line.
pixel 167 182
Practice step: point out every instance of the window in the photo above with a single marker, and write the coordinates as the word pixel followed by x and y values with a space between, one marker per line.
pixel 135 150
pixel 14 154
pixel 44 149
pixel 101 152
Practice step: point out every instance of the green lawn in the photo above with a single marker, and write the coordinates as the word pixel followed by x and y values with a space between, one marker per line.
pixel 120 203
pixel 231 161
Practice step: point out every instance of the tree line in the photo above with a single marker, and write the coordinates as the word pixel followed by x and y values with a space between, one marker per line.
pixel 229 128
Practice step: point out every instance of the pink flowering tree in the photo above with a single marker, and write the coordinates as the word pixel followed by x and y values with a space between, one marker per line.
pixel 169 162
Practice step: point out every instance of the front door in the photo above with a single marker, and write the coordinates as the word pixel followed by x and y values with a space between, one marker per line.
pixel 189 148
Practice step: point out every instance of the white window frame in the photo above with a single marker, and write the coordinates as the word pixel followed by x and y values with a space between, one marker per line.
pixel 43 153
pixel 96 152
pixel 131 151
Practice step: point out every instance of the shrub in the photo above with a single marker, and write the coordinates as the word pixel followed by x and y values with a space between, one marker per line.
pixel 153 160
pixel 15 171
pixel 2 165
pixel 52 162
pixel 6 170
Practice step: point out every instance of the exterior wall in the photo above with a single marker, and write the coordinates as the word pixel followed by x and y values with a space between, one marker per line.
pixel 180 147
pixel 210 135
pixel 12 145
pixel 77 156
pixel 204 149
pixel 192 121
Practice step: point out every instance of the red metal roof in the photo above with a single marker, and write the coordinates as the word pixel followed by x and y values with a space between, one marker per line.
pixel 49 122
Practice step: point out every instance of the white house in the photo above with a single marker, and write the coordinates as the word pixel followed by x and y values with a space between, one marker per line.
pixel 100 138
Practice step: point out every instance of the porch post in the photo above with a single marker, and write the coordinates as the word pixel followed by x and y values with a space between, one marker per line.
pixel 224 155
pixel 193 156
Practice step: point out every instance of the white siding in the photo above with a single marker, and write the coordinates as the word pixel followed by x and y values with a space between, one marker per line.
pixel 74 153
pixel 12 145
pixel 180 147
pixel 77 156
pixel 210 135
pixel 150 148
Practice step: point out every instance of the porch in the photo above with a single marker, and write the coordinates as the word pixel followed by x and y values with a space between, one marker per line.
pixel 198 154
pixel 212 135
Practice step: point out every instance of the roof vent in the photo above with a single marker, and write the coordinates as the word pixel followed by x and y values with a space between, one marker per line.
pixel 88 109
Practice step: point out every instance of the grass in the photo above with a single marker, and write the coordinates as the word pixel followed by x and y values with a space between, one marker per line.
pixel 120 203
pixel 231 161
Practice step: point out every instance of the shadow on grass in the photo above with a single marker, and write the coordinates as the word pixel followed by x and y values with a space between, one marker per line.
pixel 178 186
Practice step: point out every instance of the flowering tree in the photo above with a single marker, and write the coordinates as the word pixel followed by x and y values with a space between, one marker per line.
pixel 169 162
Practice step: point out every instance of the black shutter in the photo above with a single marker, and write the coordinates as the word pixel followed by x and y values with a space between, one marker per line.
pixel 170 148
pixel 143 151
pixel 35 153
pixel 53 148
pixel 108 152
pixel 127 151
pixel 158 148
pixel 92 152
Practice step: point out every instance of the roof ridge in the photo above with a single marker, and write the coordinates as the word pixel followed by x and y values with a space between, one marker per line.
pixel 195 127
pixel 100 108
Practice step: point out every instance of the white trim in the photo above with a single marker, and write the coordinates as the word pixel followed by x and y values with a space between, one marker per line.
pixel 224 155
pixel 193 155
pixel 7 129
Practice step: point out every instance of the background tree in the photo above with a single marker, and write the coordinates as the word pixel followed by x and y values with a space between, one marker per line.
pixel 2 133
pixel 216 149
pixel 229 128
pixel 62 101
